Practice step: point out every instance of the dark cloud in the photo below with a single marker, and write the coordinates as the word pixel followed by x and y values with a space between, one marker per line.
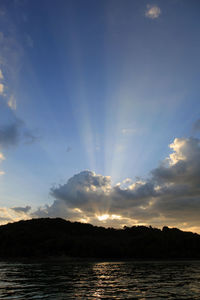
pixel 12 129
pixel 10 134
pixel 21 209
pixel 83 189
pixel 171 194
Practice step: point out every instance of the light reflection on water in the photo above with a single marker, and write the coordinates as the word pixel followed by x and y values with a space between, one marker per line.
pixel 102 280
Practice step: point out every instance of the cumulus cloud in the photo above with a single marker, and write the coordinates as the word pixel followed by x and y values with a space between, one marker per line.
pixel 152 11
pixel 182 166
pixel 169 196
pixel 85 189
pixel 88 196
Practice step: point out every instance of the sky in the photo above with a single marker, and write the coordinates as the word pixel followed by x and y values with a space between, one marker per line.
pixel 100 111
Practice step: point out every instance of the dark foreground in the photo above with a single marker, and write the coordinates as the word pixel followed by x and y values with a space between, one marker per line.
pixel 44 238
pixel 100 280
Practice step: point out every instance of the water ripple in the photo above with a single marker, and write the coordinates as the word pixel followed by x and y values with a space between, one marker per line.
pixel 101 280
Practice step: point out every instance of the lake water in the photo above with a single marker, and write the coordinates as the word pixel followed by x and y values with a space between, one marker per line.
pixel 100 280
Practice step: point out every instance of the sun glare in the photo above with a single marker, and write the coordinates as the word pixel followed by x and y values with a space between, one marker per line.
pixel 103 217
pixel 107 216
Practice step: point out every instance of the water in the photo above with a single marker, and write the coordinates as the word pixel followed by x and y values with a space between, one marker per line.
pixel 100 280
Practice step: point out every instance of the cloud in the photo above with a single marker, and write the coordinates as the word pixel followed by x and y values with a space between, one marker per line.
pixel 21 209
pixel 11 59
pixel 12 129
pixel 83 189
pixel 2 157
pixel 169 196
pixel 9 215
pixel 1 88
pixel 152 11
pixel 10 134
pixel 12 102
pixel 89 196
pixel 1 75
pixel 182 166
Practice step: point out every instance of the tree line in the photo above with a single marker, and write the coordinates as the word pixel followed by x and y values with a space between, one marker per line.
pixel 55 237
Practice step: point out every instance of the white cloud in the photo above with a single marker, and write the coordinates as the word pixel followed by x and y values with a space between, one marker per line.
pixel 1 88
pixel 152 11
pixel 2 157
pixel 12 102
pixel 1 75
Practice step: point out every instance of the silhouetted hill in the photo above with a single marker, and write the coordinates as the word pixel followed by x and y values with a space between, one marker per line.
pixel 56 237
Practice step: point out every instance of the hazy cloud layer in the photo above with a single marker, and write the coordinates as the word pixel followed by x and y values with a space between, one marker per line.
pixel 10 215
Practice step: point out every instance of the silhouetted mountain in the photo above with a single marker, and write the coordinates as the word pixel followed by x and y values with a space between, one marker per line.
pixel 56 237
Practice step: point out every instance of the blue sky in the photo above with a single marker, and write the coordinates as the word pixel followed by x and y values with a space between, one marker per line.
pixel 104 86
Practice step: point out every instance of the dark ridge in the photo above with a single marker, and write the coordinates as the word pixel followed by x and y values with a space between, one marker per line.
pixel 43 238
